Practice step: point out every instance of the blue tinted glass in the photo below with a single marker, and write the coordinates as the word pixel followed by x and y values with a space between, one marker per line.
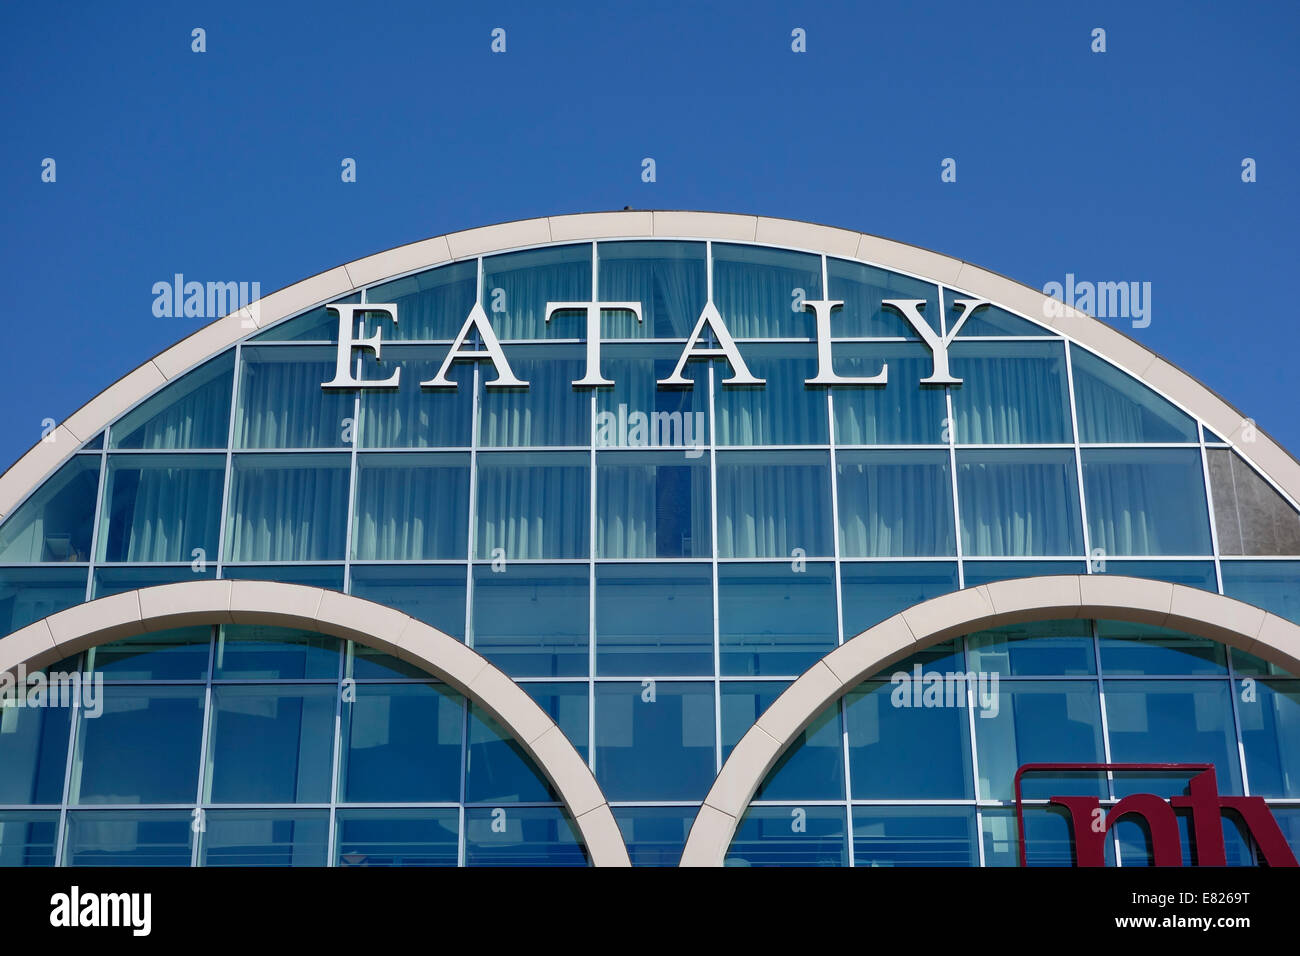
pixel 27 837
pixel 654 619
pixel 287 508
pixel 1270 731
pixel 409 416
pixel 261 652
pixel 755 290
pixel 1147 649
pixel 755 490
pixel 1272 585
pixel 34 744
pixel 129 838
pixel 521 836
pixel 532 620
pixel 986 319
pixel 116 580
pixel 1011 393
pixel 812 768
pixel 192 412
pixel 411 507
pixel 1048 839
pixel 784 411
pixel 635 413
pixel 1016 503
pixel 402 744
pixel 161 507
pixel 368 663
pixel 944 656
pixel 986 572
pixel 434 594
pixel 655 740
pixel 430 305
pixel 424 837
pixel 282 404
pixel 914 836
pixel 1146 501
pixel 497 770
pixel 142 748
pixel 773 619
pixel 180 654
pixel 317 325
pixel 566 703
pixel 29 594
pixel 271 744
pixel 1035 649
pixel 1135 846
pixel 900 412
pixel 550 411
pixel 863 288
pixel 1112 406
pixel 265 838
pixel 517 286
pixel 874 591
pixel 533 505
pixel 652 505
pixel 655 836
pixel 885 720
pixel 790 836
pixel 328 576
pixel 1194 574
pixel 667 278
pixel 55 523
pixel 895 504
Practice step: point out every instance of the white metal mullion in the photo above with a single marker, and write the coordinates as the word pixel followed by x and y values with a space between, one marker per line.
pixel 230 444
pixel 952 463
pixel 974 749
pixel 591 550
pixel 713 532
pixel 1078 465
pixel 201 814
pixel 1105 726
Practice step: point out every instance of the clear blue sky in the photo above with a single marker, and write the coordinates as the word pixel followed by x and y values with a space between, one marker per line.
pixel 225 165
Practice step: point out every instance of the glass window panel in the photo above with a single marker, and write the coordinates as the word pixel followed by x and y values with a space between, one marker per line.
pixel 987 319
pixel 655 739
pixel 1048 842
pixel 1272 585
pixel 368 663
pixel 1016 503
pixel 667 278
pixel 521 836
pixel 1171 721
pixel 944 656
pixel 914 836
pixel 883 727
pixel 328 576
pixel 411 507
pixel 29 594
pixel 27 837
pixel 1270 731
pixel 986 572
pixel 116 580
pixel 895 504
pixel 1135 847
pixel 773 619
pixel 756 492
pixel 178 654
pixel 430 305
pixel 402 744
pixel 191 412
pixel 434 594
pixel 652 505
pixel 1250 665
pixel 1034 649
pixel 517 286
pixel 533 505
pixel 55 523
pixel 129 838
pixel 1038 722
pixel 1250 517
pixel 271 743
pixel 635 412
pixel 784 411
pixel 655 836
pixel 161 507
pixel 1146 501
pixel 282 403
pixel 755 289
pixel 812 768
pixel 1112 406
pixel 873 591
pixel 654 619
pixel 142 748
pixel 550 411
pixel 426 837
pixel 1147 649
pixel 1011 393
pixel 900 412
pixel 497 770
pixel 34 741
pixel 566 703
pixel 532 620
pixel 1194 574
pixel 263 652
pixel 288 508
pixel 265 838
pixel 863 288
pixel 410 416
pixel 790 836
pixel 316 325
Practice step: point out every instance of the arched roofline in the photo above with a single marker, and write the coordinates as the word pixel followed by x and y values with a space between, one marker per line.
pixel 27 474
pixel 194 603
pixel 1105 596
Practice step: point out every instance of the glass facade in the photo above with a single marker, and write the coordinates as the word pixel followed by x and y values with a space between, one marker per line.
pixel 653 565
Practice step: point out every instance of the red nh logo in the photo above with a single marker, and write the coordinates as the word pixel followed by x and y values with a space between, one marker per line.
pixel 1089 827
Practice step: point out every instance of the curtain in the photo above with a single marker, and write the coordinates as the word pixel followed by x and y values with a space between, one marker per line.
pixel 1019 507
pixel 194 412
pixel 549 412
pixel 533 508
pixel 903 412
pixel 671 291
pixel 754 291
pixel 287 509
pixel 862 288
pixel 410 508
pixel 527 281
pixel 161 510
pixel 412 417
pixel 756 513
pixel 652 511
pixel 1016 396
pixel 782 412
pixel 282 404
pixel 1146 502
pixel 1113 407
pixel 892 507
pixel 431 305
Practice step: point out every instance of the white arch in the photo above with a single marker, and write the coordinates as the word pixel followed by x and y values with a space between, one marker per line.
pixel 329 612
pixel 1006 602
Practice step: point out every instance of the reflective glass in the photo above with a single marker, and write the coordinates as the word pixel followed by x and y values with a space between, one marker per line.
pixel 34 742
pixel 773 619
pixel 655 836
pixel 635 412
pixel 28 837
pixel 754 493
pixel 265 838
pixel 430 305
pixel 328 576
pixel 409 416
pixel 756 290
pixel 790 836
pixel 533 505
pixel 1272 585
pixel 784 411
pixel 566 703
pixel 550 411
pixel 884 723
pixel 521 836
pixel 191 412
pixel 262 652
pixel 287 508
pixel 55 523
pixel 652 505
pixel 863 288
pixel 282 403
pixel 411 507
pixel 986 572
pixel 986 319
pixel 1112 406
pixel 1194 574
pixel 1048 839
pixel 29 594
pixel 1147 649
pixel 914 836
pixel 655 739
pixel 899 412
pixel 271 743
pixel 1270 733
pixel 1146 501
pixel 895 504
pixel 873 591
pixel 161 508
pixel 179 654
pixel 812 768
pixel 116 580
pixel 393 837
pixel 434 594
pixel 517 286
pixel 532 620
pixel 401 744
pixel 667 278
pixel 654 619
pixel 1015 503
pixel 1034 649
pixel 1011 393
pixel 497 770
pixel 129 838
pixel 1135 842
pixel 315 325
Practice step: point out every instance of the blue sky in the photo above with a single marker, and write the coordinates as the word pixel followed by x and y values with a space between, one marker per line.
pixel 1122 166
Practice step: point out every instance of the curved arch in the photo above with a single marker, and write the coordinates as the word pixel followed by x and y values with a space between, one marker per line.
pixel 291 605
pixel 46 455
pixel 1137 600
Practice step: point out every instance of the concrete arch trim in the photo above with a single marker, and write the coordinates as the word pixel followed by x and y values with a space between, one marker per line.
pixel 190 603
pixel 1136 600
pixel 27 474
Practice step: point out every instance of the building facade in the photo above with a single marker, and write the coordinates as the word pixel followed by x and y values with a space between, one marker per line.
pixel 655 538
